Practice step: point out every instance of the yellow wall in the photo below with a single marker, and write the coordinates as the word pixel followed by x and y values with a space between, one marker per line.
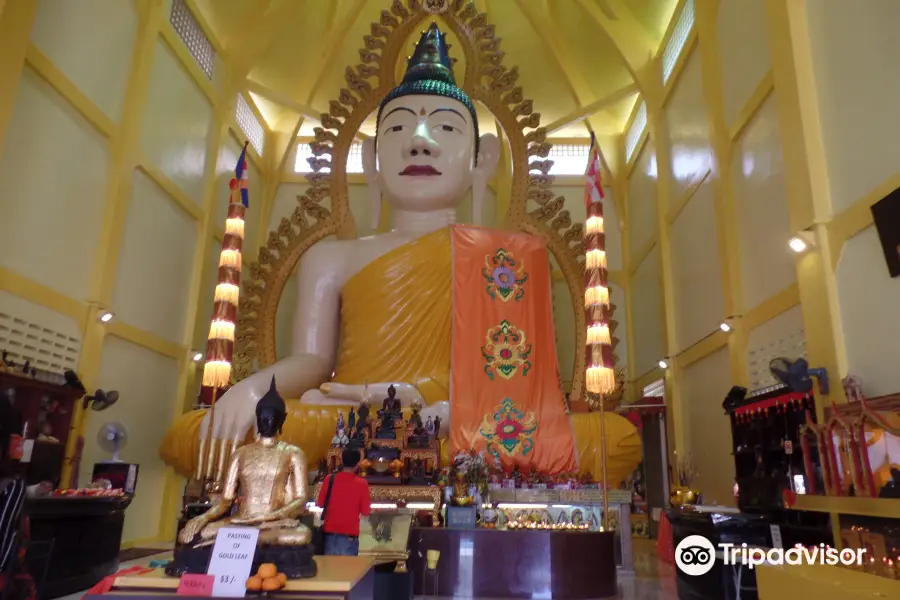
pixel 778 118
pixel 115 150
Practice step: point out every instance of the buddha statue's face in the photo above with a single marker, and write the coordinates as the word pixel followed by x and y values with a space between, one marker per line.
pixel 426 152
pixel 269 421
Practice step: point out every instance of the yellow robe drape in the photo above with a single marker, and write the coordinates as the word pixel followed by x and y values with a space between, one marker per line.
pixel 395 326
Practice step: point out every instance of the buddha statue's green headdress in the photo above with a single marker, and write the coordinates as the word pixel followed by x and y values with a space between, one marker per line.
pixel 429 72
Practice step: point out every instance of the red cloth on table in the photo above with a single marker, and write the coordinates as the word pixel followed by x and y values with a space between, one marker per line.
pixel 665 543
pixel 105 584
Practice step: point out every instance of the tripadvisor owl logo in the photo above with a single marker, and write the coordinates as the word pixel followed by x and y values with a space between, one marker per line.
pixel 695 555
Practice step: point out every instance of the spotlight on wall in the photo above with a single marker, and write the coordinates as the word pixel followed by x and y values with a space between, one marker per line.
pixel 724 326
pixel 803 241
pixel 797 244
pixel 198 357
pixel 663 364
pixel 106 316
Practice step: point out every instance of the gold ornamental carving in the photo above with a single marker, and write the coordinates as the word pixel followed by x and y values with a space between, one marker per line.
pixel 533 207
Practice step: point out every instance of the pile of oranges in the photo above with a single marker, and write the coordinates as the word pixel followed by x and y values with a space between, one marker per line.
pixel 267 579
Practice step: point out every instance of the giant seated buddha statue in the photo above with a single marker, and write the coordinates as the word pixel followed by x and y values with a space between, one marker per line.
pixel 459 316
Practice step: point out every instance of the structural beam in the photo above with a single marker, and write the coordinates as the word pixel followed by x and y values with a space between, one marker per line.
pixel 255 37
pixel 304 110
pixel 15 25
pixel 585 112
pixel 809 194
pixel 634 44
pixel 658 129
pixel 549 35
pixel 728 231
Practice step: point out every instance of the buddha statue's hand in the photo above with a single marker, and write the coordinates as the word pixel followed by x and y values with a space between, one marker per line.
pixel 254 520
pixel 192 528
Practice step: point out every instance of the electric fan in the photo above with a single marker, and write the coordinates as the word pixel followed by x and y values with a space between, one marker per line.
pixel 112 437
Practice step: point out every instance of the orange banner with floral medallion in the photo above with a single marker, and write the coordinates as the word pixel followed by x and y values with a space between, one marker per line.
pixel 506 394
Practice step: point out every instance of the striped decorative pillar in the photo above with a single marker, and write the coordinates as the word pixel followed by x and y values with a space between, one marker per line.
pixel 220 342
pixel 600 377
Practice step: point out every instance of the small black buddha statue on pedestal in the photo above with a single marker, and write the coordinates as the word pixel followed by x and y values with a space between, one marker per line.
pixel 390 412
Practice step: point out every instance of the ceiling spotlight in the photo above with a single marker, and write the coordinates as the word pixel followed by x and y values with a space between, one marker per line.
pixel 724 326
pixel 198 357
pixel 663 364
pixel 106 317
pixel 798 245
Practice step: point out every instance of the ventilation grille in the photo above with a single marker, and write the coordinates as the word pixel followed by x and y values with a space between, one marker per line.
pixel 193 36
pixel 569 159
pixel 636 131
pixel 679 38
pixel 45 348
pixel 791 345
pixel 249 124
pixel 657 389
pixel 304 153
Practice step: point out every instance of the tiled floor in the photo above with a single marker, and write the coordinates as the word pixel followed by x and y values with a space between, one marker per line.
pixel 652 579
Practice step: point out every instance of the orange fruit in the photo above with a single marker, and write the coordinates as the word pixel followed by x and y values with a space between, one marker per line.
pixel 254 584
pixel 271 584
pixel 267 570
pixel 282 578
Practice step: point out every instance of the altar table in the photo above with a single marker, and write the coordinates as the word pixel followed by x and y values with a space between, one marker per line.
pixel 338 578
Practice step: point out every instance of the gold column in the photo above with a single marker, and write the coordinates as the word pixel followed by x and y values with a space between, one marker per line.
pixel 809 195
pixel 15 27
pixel 727 230
pixel 657 125
pixel 124 148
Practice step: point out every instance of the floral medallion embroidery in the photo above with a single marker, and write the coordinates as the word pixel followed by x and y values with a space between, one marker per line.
pixel 505 276
pixel 509 430
pixel 506 351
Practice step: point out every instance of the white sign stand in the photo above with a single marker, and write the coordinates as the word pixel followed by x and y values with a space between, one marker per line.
pixel 232 560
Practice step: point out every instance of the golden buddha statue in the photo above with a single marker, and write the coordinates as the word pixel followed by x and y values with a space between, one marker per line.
pixel 271 478
pixel 378 308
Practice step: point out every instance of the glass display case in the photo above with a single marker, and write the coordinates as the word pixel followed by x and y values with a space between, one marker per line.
pixel 567 509
pixel 880 537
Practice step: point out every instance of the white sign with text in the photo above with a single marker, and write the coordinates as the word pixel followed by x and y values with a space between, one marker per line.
pixel 232 560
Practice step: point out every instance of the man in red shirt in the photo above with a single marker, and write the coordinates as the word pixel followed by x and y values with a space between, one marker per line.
pixel 349 499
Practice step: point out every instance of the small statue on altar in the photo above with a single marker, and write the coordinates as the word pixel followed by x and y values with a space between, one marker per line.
pixel 340 439
pixel 534 478
pixel 437 426
pixel 351 421
pixel 388 414
pixel 272 479
pixel 391 404
pixel 415 417
pixel 363 413
pixel 517 476
pixel 341 424
pixel 419 438
pixel 429 427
